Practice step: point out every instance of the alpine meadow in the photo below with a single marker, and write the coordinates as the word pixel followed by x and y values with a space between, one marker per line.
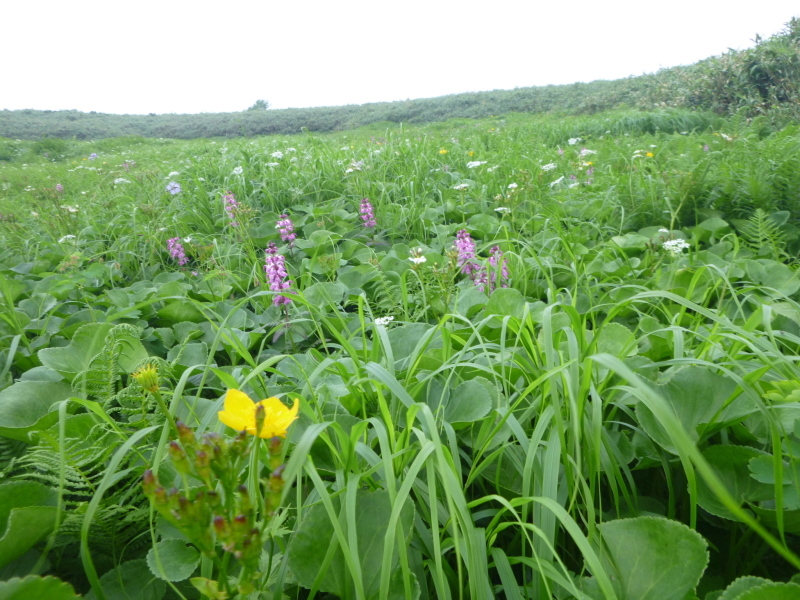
pixel 532 344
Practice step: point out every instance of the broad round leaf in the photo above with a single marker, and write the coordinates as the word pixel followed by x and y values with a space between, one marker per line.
pixel 175 561
pixel 34 587
pixel 652 558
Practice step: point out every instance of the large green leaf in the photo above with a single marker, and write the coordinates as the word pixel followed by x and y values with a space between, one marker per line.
pixel 469 402
pixel 311 541
pixel 34 587
pixel 698 396
pixel 131 580
pixel 175 561
pixel 506 302
pixel 772 591
pixel 731 465
pixel 741 585
pixel 26 407
pixel 87 343
pixel 27 514
pixel 650 558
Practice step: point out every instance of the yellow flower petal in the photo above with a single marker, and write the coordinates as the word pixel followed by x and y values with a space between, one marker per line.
pixel 278 417
pixel 239 412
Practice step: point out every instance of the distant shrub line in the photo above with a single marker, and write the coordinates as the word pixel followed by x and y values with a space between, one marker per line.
pixel 764 80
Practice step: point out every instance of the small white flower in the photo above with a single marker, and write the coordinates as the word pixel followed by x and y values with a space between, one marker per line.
pixel 383 320
pixel 502 209
pixel 291 149
pixel 557 181
pixel 65 238
pixel 491 169
pixel 475 163
pixel 201 179
pixel 238 171
pixel 277 154
pixel 573 185
pixel 675 247
pixel 30 189
pixel 417 260
pixel 72 209
pixel 272 165
pixel 187 239
pixel 34 213
pixel 725 137
pixel 461 187
pixel 120 180
pixel 549 167
pixel 349 170
pixel 586 152
pixel 663 230
pixel 653 146
pixel 512 186
pixel 348 147
pixel 172 174
pixel 573 141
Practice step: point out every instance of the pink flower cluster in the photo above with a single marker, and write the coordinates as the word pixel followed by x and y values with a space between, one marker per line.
pixel 231 206
pixel 277 277
pixel 176 250
pixel 488 277
pixel 286 228
pixel 367 213
pixel 485 277
pixel 465 246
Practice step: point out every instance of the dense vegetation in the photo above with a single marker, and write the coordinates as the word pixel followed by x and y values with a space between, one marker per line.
pixel 761 81
pixel 532 357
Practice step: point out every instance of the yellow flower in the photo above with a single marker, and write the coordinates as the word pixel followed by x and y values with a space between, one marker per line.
pixel 471 153
pixel 442 151
pixel 649 155
pixel 240 414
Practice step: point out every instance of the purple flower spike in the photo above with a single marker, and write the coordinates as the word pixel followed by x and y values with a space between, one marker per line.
pixel 466 253
pixel 367 213
pixel 231 207
pixel 176 250
pixel 59 188
pixel 92 156
pixel 277 277
pixel 286 228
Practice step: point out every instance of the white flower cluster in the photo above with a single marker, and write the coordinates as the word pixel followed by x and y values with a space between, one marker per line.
pixel 475 163
pixel 238 171
pixel 502 209
pixel 586 152
pixel 120 180
pixel 383 320
pixel 66 238
pixel 549 167
pixel 512 186
pixel 461 187
pixel 277 154
pixel 675 247
pixel 573 141
pixel 557 181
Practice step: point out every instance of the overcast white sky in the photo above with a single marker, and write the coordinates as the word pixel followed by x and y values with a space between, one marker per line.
pixel 178 56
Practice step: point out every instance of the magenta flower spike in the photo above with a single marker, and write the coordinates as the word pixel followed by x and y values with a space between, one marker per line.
pixel 367 213
pixel 277 277
pixel 176 250
pixel 465 246
pixel 286 228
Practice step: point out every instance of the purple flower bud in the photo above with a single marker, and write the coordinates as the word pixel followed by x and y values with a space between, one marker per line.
pixel 367 213
pixel 59 188
pixel 466 253
pixel 277 277
pixel 231 207
pixel 176 250
pixel 286 228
